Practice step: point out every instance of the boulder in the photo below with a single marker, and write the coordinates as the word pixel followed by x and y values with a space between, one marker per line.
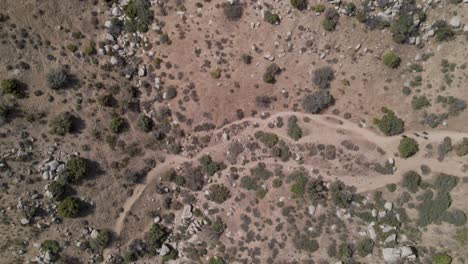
pixel 164 250
pixel 187 212
pixel 455 22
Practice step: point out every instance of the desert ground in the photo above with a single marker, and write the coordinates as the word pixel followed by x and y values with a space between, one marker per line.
pixel 180 131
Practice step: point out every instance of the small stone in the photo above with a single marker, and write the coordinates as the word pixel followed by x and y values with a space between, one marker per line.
pixel 455 22
pixel 164 250
pixel 24 221
pixel 94 234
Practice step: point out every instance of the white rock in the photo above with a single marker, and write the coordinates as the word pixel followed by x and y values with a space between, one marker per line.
pixel 391 255
pixel 311 210
pixel 187 212
pixel 371 232
pixel 157 219
pixel 390 238
pixel 24 221
pixel 455 22
pixel 164 250
pixel 94 234
pixel 388 206
pixel 116 11
pixel 108 23
pixel 113 60
pixel 465 28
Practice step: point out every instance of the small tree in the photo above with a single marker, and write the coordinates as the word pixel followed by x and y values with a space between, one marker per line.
pixel 443 31
pixel 331 19
pixel 408 147
pixel 271 72
pixel 233 11
pixel 51 246
pixel 145 123
pixel 271 18
pixel 462 148
pixel 390 124
pixel 403 28
pixel 365 247
pixel 219 193
pixel 69 207
pixel 246 58
pixel 57 190
pixel 57 79
pixel 294 130
pixel 391 60
pixel 156 237
pixel 411 181
pixel 13 87
pixel 323 76
pixel 62 124
pixel 317 102
pixel 76 169
pixel 117 124
pixel 299 4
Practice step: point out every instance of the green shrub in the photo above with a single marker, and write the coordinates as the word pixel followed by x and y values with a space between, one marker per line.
pixel 51 246
pixel 271 18
pixel 345 251
pixel 432 210
pixel 391 187
pixel 69 207
pixel 350 9
pixel 216 260
pixel 246 58
pixel 462 148
pixel 302 242
pixel 390 124
pixel 361 15
pixel 299 4
pixel 408 147
pixel 140 15
pixel 462 236
pixel 249 183
pixel 411 181
pixel 216 74
pixel 341 195
pixel 72 47
pixel 298 188
pixel 445 183
pixel 102 240
pixel 323 76
pixel 441 258
pixel 117 124
pixel 268 139
pixel 156 237
pixel 420 102
pixel 455 217
pixel 233 12
pixel 145 123
pixel 402 28
pixel 76 169
pixel 271 72
pixel 391 60
pixel 319 8
pixel 294 130
pixel 219 193
pixel 329 24
pixel 62 124
pixel 443 31
pixel 318 101
pixel 13 87
pixel 210 166
pixel 57 79
pixel 57 190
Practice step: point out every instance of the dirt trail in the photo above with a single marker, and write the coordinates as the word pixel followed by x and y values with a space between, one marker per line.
pixel 388 144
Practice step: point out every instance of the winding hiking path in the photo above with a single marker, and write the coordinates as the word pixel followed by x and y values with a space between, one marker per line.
pixel 344 129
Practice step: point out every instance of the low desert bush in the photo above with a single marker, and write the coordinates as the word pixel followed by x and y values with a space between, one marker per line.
pixel 317 102
pixel 391 60
pixel 69 207
pixel 408 147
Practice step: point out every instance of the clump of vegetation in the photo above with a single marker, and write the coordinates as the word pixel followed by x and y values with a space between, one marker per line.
pixel 51 246
pixel 331 19
pixel 216 260
pixel 444 148
pixel 402 28
pixel 294 130
pixel 271 72
pixel 57 190
pixel 299 4
pixel 271 18
pixel 319 8
pixel 365 247
pixel 443 31
pixel 323 76
pixel 140 16
pixel 69 207
pixel 57 79
pixel 76 169
pixel 268 139
pixel 318 101
pixel 219 193
pixel 411 181
pixel 215 74
pixel 233 11
pixel 391 60
pixel 62 124
pixel 462 236
pixel 462 148
pixel 156 237
pixel 102 240
pixel 210 166
pixel 342 195
pixel 408 147
pixel 145 123
pixel 246 58
pixel 390 124
pixel 302 242
pixel 420 102
pixel 117 124
pixel 13 87
pixel 441 258
pixel 432 210
pixel 445 183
